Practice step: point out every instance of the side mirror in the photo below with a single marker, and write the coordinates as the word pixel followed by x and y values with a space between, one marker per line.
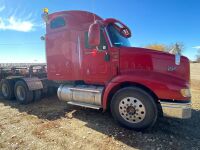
pixel 94 34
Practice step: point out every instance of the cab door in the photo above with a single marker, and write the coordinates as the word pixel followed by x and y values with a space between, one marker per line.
pixel 96 61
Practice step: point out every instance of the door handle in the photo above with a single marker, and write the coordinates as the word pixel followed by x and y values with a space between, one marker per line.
pixel 107 57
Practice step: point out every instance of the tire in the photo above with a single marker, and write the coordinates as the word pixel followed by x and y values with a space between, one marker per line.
pixel 7 89
pixel 22 93
pixel 37 94
pixel 134 108
pixel 51 91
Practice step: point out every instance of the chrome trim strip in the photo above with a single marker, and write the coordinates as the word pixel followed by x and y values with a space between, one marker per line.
pixel 176 110
pixel 110 42
pixel 79 52
pixel 85 90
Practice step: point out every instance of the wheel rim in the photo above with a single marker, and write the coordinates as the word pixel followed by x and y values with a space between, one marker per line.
pixel 5 90
pixel 132 110
pixel 20 93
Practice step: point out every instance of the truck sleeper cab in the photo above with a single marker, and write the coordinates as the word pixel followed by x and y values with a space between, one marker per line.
pixel 95 66
pixel 133 82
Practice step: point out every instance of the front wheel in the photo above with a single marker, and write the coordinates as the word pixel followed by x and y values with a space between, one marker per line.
pixel 134 108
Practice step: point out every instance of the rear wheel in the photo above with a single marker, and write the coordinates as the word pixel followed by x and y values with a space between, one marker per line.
pixel 134 108
pixel 37 94
pixel 7 89
pixel 22 93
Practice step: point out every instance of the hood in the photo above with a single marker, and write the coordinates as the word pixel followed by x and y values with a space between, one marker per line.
pixel 142 59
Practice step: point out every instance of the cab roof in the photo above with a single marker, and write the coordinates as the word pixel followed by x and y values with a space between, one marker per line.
pixel 76 19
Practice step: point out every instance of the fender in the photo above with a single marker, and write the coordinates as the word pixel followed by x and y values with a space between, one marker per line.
pixel 164 86
pixel 33 83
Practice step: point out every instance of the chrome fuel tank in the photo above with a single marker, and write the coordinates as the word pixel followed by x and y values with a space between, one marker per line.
pixel 81 93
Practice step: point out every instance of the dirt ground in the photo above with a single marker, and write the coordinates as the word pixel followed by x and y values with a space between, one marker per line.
pixel 52 124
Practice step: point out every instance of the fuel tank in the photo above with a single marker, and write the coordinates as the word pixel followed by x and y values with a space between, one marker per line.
pixel 81 93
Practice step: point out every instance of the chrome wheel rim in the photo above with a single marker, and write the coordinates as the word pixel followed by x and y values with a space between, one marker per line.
pixel 5 90
pixel 132 110
pixel 20 93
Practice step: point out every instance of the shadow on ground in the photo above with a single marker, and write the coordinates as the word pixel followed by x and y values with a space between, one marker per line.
pixel 167 133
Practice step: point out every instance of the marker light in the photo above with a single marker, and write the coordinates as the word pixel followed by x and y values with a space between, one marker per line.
pixel 46 10
pixel 185 92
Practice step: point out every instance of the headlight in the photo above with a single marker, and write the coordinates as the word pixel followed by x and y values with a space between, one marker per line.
pixel 185 92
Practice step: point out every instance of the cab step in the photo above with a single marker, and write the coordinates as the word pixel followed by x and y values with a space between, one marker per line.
pixel 84 105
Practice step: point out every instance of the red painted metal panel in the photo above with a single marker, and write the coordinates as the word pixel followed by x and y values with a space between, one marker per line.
pixel 150 68
pixel 133 59
pixel 164 86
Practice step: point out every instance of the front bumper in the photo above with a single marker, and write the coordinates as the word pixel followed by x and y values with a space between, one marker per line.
pixel 176 110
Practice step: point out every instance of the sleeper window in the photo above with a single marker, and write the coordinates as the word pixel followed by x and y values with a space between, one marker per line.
pixel 57 23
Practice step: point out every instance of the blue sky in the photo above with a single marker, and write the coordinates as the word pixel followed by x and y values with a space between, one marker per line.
pixel 151 21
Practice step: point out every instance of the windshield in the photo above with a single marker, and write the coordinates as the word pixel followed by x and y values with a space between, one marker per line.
pixel 116 38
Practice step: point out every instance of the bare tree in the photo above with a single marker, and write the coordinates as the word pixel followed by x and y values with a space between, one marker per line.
pixel 158 47
pixel 177 47
pixel 172 48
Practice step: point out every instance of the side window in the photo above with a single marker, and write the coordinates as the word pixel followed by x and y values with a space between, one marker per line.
pixel 57 23
pixel 103 45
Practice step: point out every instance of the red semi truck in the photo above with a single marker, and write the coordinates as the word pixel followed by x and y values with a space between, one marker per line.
pixel 92 63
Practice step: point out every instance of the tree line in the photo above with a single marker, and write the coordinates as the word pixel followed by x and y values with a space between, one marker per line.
pixel 168 48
